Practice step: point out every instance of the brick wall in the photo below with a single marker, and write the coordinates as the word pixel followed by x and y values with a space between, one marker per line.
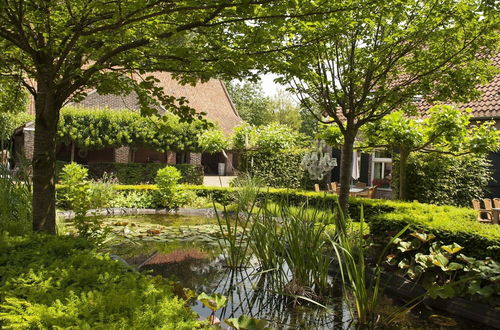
pixel 195 158
pixel 171 158
pixel 122 155
pixel 29 142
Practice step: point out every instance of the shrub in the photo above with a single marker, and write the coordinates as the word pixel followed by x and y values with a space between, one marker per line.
pixel 273 153
pixel 171 195
pixel 75 188
pixel 137 173
pixel 62 282
pixel 445 179
pixel 275 169
pixel 77 194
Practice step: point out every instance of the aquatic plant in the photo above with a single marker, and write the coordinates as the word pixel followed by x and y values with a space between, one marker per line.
pixel 236 228
pixel 354 270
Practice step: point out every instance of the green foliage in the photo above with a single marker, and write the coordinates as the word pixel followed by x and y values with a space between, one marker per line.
pixel 75 187
pixel 212 141
pixel 443 271
pixel 247 323
pixel 251 102
pixel 450 224
pixel 275 169
pixel 444 129
pixel 331 134
pixel 62 282
pixel 9 122
pixel 273 154
pixel 15 202
pixel 136 173
pixel 350 252
pixel 102 128
pixel 169 191
pixel 77 194
pixel 13 96
pixel 445 179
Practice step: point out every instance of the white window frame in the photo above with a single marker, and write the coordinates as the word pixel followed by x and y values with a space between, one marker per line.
pixel 374 160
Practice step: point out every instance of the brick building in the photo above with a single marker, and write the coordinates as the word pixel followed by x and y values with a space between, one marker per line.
pixel 211 98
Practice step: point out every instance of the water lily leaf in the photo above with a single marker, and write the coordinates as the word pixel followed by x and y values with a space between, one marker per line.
pixel 214 301
pixel 445 291
pixel 452 249
pixel 247 323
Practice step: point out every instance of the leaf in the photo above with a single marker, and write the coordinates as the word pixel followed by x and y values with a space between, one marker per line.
pixel 423 237
pixel 214 301
pixel 452 249
pixel 247 323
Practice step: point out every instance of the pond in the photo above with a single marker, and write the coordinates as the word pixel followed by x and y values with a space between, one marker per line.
pixel 187 249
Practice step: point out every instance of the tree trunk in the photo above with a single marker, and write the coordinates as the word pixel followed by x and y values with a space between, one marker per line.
pixel 403 177
pixel 44 159
pixel 346 168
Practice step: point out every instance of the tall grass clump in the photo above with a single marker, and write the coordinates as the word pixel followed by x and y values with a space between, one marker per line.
pixel 15 200
pixel 290 243
pixel 236 227
pixel 361 282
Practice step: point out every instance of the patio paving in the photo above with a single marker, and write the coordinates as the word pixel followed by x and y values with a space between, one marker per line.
pixel 217 181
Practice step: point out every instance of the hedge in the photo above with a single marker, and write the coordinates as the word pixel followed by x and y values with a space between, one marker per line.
pixel 137 173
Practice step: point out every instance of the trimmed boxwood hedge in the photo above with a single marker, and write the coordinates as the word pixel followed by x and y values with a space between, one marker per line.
pixel 137 173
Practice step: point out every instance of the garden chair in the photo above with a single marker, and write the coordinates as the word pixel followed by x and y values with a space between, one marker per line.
pixel 487 204
pixel 496 202
pixel 333 187
pixel 368 193
pixel 483 215
pixel 316 188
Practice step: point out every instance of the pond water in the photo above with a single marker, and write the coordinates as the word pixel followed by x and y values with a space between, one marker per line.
pixel 186 249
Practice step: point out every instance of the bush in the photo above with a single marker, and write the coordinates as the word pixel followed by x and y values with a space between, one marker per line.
pixel 171 195
pixel 275 169
pixel 62 282
pixel 445 179
pixel 137 173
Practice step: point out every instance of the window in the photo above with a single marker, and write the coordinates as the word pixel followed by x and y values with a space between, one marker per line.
pixel 381 169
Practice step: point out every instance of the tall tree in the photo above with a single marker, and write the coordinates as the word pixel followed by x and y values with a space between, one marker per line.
pixel 250 101
pixel 65 48
pixel 369 62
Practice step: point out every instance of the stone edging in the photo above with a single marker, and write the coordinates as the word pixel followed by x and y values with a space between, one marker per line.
pixel 207 212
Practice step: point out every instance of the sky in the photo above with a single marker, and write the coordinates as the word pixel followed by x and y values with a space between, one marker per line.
pixel 269 86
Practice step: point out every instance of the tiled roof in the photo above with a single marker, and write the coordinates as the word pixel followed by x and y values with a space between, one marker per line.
pixel 210 97
pixel 488 105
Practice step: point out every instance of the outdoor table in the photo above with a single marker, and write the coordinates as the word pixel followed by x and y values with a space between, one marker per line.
pixel 353 191
pixel 496 216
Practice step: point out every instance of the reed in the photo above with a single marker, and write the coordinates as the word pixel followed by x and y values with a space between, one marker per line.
pixel 350 252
